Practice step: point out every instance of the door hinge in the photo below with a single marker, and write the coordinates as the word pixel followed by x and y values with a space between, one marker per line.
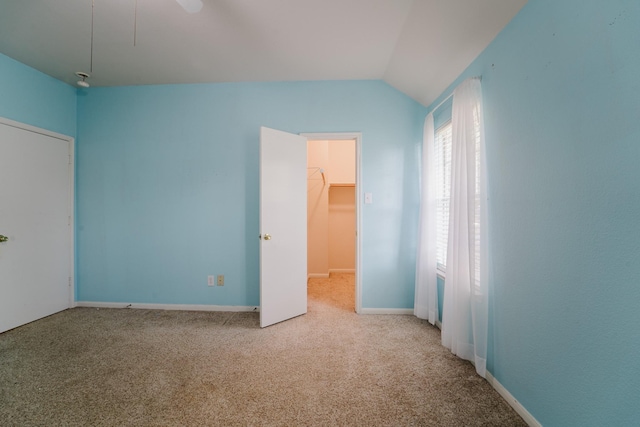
pixel 69 281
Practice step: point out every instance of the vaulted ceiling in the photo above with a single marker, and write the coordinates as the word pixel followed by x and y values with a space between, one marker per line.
pixel 417 46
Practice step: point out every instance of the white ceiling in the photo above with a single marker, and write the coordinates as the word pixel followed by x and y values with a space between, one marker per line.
pixel 417 46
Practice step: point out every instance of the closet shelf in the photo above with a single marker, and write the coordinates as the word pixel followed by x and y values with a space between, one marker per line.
pixel 342 184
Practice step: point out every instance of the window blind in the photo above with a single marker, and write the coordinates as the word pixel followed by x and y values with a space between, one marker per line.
pixel 476 124
pixel 443 140
pixel 443 191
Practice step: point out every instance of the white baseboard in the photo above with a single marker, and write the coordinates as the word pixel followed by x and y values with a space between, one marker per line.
pixel 438 324
pixel 318 276
pixel 342 270
pixel 512 401
pixel 386 311
pixel 182 307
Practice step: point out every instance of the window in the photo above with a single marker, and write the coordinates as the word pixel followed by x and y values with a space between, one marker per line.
pixel 443 140
pixel 443 191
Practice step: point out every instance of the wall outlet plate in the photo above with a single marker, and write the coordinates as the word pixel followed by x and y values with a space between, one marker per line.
pixel 210 280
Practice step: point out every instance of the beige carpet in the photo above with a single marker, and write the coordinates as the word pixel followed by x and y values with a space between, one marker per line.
pixel 106 367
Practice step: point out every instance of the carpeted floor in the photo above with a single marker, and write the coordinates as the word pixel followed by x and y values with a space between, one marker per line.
pixel 107 367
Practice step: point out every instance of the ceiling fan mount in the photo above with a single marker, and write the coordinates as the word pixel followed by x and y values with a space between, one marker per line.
pixel 83 77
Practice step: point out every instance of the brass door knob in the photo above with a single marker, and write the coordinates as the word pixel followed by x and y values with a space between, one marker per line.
pixel 267 237
pixel 3 238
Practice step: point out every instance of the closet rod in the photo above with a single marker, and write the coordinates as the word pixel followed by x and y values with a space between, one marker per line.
pixel 316 171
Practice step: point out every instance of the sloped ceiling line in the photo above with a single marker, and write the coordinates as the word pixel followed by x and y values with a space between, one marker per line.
pixel 417 46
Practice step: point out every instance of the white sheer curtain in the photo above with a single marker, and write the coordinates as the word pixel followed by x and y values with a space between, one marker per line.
pixel 426 295
pixel 465 307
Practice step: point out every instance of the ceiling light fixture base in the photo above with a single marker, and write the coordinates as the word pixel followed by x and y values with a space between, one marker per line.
pixel 83 76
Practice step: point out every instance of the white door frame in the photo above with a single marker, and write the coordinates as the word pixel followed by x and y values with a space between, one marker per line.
pixel 71 198
pixel 357 136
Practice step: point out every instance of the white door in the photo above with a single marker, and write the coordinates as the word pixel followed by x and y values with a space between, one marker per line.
pixel 283 226
pixel 35 201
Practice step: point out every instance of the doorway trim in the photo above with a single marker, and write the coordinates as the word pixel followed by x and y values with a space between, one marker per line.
pixel 357 136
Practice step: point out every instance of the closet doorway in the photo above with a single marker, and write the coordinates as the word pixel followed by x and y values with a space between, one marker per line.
pixel 333 216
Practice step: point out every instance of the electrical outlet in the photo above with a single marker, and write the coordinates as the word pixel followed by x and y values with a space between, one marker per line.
pixel 221 280
pixel 210 280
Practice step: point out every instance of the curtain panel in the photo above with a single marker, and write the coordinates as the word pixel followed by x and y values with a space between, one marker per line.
pixel 465 307
pixel 426 292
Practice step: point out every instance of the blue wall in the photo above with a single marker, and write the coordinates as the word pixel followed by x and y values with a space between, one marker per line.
pixel 562 100
pixel 168 186
pixel 31 97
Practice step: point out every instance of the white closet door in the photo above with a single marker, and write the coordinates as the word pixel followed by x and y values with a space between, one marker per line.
pixel 35 203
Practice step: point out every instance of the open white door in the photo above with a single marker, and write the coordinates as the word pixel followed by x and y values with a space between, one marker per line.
pixel 283 226
pixel 36 190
